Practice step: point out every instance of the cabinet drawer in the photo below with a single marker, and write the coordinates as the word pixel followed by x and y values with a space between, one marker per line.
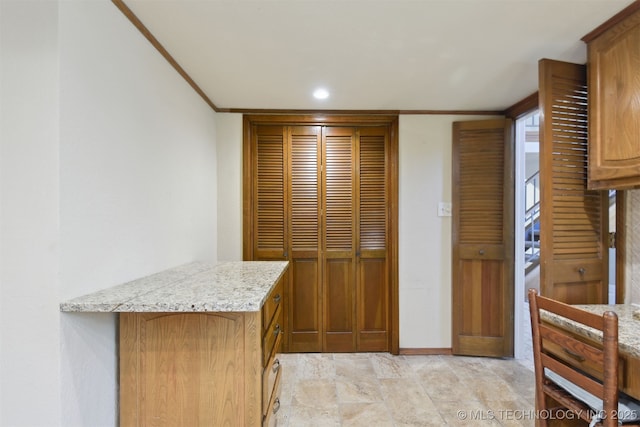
pixel 273 302
pixel 271 339
pixel 269 375
pixel 274 402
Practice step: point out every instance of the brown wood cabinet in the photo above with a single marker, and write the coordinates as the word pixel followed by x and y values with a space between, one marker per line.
pixel 196 369
pixel 614 101
pixel 322 196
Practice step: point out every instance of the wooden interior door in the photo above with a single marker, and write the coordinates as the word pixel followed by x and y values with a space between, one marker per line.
pixel 372 253
pixel 303 211
pixel 356 303
pixel 574 221
pixel 339 173
pixel 482 234
pixel 323 196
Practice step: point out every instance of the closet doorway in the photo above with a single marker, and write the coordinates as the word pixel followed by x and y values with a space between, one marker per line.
pixel 321 192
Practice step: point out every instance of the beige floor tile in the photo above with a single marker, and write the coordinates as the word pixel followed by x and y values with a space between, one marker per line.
pixel 353 390
pixel 378 389
pixel 365 415
pixel 314 393
pixel 302 416
pixel 408 403
pixel 387 366
pixel 444 384
pixel 316 366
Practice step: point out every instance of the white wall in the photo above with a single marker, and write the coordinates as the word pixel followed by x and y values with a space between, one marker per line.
pixel 424 238
pixel 424 255
pixel 108 174
pixel 229 145
pixel 29 240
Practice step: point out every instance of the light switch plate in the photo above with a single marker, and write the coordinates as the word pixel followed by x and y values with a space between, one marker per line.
pixel 444 209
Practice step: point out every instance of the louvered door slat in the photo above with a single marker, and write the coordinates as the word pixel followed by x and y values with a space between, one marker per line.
pixel 304 192
pixel 372 192
pixel 573 219
pixel 269 193
pixel 481 194
pixel 569 122
pixel 339 192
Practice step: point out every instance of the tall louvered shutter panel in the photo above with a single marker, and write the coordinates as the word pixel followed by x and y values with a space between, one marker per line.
pixel 339 182
pixel 304 190
pixel 269 193
pixel 373 197
pixel 482 270
pixel 574 221
pixel 481 186
pixel 304 195
pixel 339 244
pixel 372 275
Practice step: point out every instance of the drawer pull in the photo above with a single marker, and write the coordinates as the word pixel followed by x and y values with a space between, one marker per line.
pixel 576 356
pixel 276 365
pixel 277 298
pixel 276 331
pixel 276 405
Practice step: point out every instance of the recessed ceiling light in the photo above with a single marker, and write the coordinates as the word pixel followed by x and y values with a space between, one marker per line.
pixel 321 93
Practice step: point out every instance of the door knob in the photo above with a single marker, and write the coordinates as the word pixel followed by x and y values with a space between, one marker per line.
pixel 581 270
pixel 481 251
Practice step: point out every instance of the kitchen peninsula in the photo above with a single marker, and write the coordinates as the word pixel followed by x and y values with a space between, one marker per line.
pixel 197 343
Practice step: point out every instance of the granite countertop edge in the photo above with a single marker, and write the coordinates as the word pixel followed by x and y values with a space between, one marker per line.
pixel 235 286
pixel 628 326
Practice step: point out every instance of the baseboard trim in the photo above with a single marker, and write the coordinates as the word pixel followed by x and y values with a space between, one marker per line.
pixel 425 351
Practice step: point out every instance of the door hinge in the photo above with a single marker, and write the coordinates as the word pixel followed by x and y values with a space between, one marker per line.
pixel 612 239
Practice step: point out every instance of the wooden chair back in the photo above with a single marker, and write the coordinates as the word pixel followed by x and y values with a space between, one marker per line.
pixel 589 365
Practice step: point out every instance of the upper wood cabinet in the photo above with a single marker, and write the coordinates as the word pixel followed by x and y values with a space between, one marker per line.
pixel 614 101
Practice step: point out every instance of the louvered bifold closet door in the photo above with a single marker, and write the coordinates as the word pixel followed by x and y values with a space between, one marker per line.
pixel 372 290
pixel 339 239
pixel 482 238
pixel 574 221
pixel 269 185
pixel 305 193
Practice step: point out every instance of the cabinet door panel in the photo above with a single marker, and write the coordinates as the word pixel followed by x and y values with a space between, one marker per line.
pixel 373 324
pixel 339 320
pixel 614 130
pixel 174 377
pixel 304 306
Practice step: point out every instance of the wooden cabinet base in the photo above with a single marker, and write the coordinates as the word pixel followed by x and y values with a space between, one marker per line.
pixel 191 369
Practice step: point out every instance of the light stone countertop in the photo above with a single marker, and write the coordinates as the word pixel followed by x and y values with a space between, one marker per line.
pixel 240 286
pixel 628 326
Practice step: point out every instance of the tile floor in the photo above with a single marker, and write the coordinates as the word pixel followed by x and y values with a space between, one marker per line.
pixel 378 389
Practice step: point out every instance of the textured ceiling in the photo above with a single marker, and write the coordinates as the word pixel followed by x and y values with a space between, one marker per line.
pixel 371 54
